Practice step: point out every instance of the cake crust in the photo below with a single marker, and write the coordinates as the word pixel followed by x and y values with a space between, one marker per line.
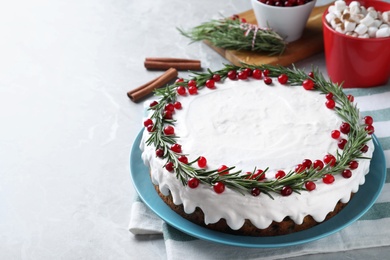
pixel 287 226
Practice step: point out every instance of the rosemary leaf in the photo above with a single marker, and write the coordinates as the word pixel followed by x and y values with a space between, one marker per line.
pixel 235 35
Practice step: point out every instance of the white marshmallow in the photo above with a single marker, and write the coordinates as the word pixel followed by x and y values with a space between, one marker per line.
pixel 364 36
pixel 340 28
pixel 331 9
pixel 354 4
pixel 367 20
pixel 337 13
pixel 356 17
pixel 349 26
pixel 383 25
pixel 340 5
pixel 329 17
pixel 372 31
pixel 376 23
pixel 361 29
pixel 383 32
pixel 354 9
pixel 373 14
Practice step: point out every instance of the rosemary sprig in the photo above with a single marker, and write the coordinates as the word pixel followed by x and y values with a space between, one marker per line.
pixel 235 35
pixel 358 136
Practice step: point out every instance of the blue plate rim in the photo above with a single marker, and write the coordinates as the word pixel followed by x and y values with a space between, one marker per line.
pixel 149 196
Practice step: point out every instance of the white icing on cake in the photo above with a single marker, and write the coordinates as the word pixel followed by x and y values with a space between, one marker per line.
pixel 248 124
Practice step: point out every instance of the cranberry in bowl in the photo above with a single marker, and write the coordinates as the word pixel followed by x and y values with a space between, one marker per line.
pixel 286 17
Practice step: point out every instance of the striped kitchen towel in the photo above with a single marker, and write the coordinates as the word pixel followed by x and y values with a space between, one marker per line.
pixel 371 230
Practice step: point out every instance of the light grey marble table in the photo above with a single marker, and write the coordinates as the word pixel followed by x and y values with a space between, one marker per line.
pixel 67 125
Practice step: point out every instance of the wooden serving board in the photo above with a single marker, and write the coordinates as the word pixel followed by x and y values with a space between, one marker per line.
pixel 309 44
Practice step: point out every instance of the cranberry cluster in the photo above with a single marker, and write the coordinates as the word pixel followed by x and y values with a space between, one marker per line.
pixel 284 3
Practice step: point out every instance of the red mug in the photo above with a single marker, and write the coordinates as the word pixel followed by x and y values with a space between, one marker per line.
pixel 357 62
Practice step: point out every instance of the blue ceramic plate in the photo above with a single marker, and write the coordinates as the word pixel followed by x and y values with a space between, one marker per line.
pixel 358 205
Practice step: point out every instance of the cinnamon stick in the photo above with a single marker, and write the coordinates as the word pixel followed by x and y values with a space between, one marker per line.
pixel 177 63
pixel 165 59
pixel 142 91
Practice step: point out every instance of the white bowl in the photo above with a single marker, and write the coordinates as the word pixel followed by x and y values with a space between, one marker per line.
pixel 288 22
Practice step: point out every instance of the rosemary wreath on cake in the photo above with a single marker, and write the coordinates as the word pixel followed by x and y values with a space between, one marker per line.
pixel 160 126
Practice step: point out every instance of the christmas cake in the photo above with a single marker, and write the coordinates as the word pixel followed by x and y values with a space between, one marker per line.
pixel 256 150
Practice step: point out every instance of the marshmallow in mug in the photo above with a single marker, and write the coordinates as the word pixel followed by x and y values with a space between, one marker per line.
pixel 357 21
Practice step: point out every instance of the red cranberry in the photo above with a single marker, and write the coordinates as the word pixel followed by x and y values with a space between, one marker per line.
pixel 169 130
pixel 330 159
pixel 255 191
pixel 193 183
pixel 177 105
pixel 219 187
pixel 335 134
pixel 223 169
pixel 183 159
pixel 176 148
pixel 192 90
pixel 210 83
pixel 160 152
pixel 328 178
pixel 330 103
pixel 280 174
pixel 346 173
pixel 202 162
pixel 308 84
pixel 341 144
pixel 283 78
pixel 370 129
pixel 148 122
pixel 192 83
pixel 257 74
pixel 309 185
pixel 307 163
pixel 345 128
pixel 329 95
pixel 181 90
pixel 248 71
pixel 368 120
pixel 318 165
pixel 217 77
pixel 286 191
pixel 232 75
pixel 353 165
pixel 153 103
pixel 268 80
pixel 242 74
pixel 364 149
pixel 169 166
